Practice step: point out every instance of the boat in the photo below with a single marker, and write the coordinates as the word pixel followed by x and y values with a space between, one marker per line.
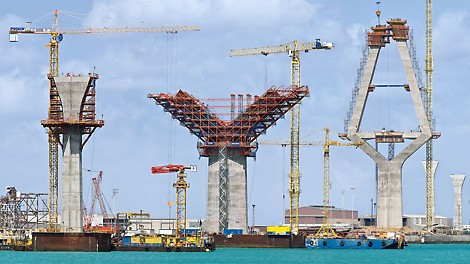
pixel 162 243
pixel 361 242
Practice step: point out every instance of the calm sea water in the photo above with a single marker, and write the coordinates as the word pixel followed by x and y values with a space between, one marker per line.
pixel 412 254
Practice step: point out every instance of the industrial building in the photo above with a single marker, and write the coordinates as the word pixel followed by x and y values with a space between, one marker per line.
pixel 312 215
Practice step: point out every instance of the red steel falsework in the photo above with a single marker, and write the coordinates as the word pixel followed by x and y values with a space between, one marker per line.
pixel 238 134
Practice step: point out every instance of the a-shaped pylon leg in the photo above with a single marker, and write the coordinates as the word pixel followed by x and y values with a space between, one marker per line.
pixel 389 186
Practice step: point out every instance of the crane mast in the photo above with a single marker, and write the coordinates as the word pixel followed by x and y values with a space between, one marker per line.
pixel 56 35
pixel 326 230
pixel 293 49
pixel 429 115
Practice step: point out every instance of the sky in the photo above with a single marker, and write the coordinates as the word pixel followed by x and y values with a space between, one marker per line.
pixel 138 134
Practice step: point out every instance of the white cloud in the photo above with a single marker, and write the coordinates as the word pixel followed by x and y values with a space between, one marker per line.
pixel 252 14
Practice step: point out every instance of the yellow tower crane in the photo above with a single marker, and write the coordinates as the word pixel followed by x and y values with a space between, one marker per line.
pixel 325 230
pixel 180 186
pixel 293 49
pixel 56 34
pixel 429 115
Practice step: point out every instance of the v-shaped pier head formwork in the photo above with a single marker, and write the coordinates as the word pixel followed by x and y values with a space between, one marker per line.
pixel 227 144
pixel 72 115
pixel 389 182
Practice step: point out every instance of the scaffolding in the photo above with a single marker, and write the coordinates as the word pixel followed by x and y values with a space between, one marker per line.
pixel 238 135
pixel 21 213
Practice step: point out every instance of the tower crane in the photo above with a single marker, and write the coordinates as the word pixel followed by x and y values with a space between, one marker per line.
pixel 325 230
pixel 56 36
pixel 293 49
pixel 429 115
pixel 180 186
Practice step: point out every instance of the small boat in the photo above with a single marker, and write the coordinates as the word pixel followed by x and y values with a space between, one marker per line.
pixel 363 242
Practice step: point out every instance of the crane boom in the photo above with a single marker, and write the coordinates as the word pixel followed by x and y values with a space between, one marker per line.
pixel 288 47
pixel 104 30
pixel 288 143
pixel 56 34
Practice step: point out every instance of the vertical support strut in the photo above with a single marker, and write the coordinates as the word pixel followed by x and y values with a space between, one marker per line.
pixel 429 115
pixel 53 139
pixel 53 181
pixel 294 148
pixel 181 185
pixel 391 150
pixel 223 188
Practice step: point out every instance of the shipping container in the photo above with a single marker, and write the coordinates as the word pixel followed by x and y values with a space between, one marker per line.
pixel 126 240
pixel 192 231
pixel 233 231
pixel 278 230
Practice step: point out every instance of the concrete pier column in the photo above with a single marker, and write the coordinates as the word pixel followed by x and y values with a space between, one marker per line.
pixel 72 216
pixel 72 92
pixel 389 194
pixel 457 182
pixel 237 194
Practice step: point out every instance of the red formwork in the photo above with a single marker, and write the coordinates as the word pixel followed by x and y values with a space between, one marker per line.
pixel 396 29
pixel 399 28
pixel 86 121
pixel 239 134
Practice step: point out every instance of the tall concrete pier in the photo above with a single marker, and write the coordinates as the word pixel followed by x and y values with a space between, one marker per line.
pixel 227 144
pixel 72 114
pixel 389 182
pixel 457 182
pixel 237 188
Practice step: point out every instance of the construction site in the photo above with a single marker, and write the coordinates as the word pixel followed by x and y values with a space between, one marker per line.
pixel 232 132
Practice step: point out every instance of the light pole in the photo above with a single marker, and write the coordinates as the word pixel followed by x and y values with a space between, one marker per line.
pixel 342 204
pixel 253 220
pixel 141 226
pixel 371 211
pixel 352 207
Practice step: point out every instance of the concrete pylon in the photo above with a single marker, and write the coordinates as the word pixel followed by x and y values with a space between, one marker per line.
pixel 72 91
pixel 457 182
pixel 237 214
pixel 389 182
pixel 435 163
pixel 72 114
